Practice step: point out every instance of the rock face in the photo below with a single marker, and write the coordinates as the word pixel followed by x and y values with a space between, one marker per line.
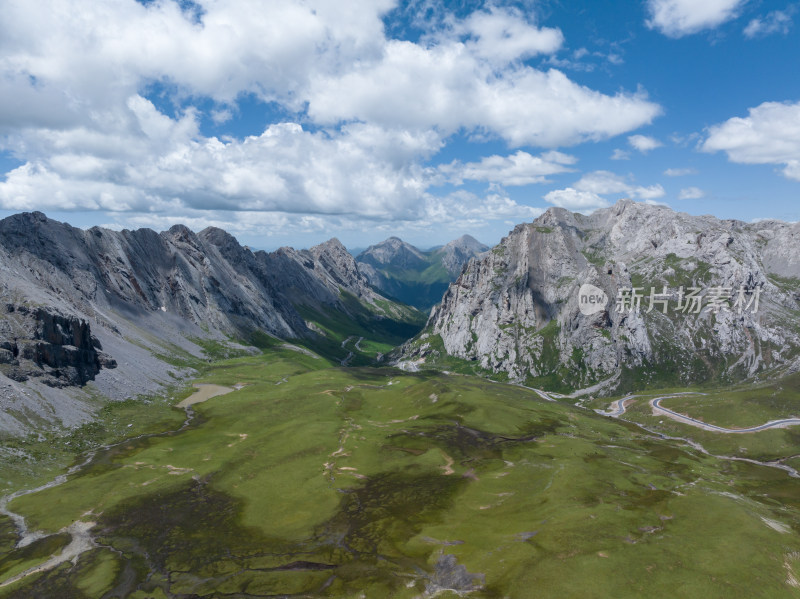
pixel 317 276
pixel 415 277
pixel 517 310
pixel 142 296
pixel 58 349
pixel 458 252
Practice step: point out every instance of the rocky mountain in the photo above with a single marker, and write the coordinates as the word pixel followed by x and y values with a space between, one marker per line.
pixel 458 252
pixel 552 303
pixel 128 310
pixel 415 277
pixel 394 253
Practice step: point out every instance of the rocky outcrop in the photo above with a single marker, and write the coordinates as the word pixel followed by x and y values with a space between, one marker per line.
pixel 57 349
pixel 516 311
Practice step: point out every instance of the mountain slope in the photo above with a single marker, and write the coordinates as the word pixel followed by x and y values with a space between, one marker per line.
pixel 515 312
pixel 133 309
pixel 413 276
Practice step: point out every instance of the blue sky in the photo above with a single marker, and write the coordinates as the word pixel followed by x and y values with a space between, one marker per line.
pixel 290 122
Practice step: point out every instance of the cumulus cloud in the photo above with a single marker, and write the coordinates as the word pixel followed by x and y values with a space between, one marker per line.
pixel 606 182
pixel 770 134
pixel 424 87
pixel 99 110
pixel 691 193
pixel 590 192
pixel 576 200
pixel 520 168
pixel 465 207
pixel 676 18
pixel 92 49
pixel 502 35
pixel 777 21
pixel 454 212
pixel 363 170
pixel 643 143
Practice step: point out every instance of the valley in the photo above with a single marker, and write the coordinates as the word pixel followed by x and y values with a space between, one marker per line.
pixel 221 422
pixel 312 479
pixel 403 299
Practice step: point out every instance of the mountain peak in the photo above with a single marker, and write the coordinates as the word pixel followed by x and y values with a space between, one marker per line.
pixel 393 252
pixel 467 242
pixel 331 244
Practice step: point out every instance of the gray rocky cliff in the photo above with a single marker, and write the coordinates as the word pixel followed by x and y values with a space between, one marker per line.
pixel 516 310
pixel 42 343
pixel 141 296
pixel 456 254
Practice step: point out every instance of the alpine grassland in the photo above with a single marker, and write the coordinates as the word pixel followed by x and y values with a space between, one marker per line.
pixel 313 480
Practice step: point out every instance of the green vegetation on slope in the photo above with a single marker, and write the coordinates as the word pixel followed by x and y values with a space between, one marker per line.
pixel 380 327
pixel 320 481
pixel 421 286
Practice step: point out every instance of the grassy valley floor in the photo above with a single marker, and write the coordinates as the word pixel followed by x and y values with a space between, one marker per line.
pixel 312 480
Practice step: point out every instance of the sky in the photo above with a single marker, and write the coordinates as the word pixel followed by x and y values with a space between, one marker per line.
pixel 287 122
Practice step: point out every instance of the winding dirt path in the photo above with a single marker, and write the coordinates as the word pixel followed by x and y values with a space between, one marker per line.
pixel 619 407
pixel 658 408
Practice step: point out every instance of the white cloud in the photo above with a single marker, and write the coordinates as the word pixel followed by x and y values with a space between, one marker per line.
pixel 519 168
pixel 576 200
pixel 606 182
pixel 463 206
pixel 770 134
pixel 502 35
pixel 363 171
pixel 73 107
pixel 691 193
pixel 620 155
pixel 222 115
pixel 650 192
pixel 643 143
pixel 680 172
pixel 603 182
pixel 676 18
pixel 106 49
pixel 423 87
pixel 455 212
pixel 778 21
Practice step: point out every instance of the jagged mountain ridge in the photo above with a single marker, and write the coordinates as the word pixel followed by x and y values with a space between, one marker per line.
pixel 515 313
pixel 416 277
pixel 140 296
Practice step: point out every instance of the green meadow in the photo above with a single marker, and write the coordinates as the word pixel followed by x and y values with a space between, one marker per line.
pixel 319 481
pixel 743 407
pixel 732 408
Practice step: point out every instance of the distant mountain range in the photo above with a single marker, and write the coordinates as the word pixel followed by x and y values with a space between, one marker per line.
pixel 415 277
pixel 92 315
